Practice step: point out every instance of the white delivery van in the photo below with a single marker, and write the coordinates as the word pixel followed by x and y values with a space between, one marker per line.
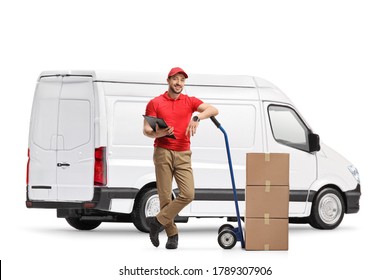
pixel 88 157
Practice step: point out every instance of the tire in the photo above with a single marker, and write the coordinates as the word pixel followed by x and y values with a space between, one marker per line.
pixel 227 239
pixel 224 227
pixel 327 210
pixel 82 225
pixel 147 204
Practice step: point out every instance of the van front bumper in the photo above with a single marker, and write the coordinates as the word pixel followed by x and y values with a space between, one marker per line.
pixel 352 199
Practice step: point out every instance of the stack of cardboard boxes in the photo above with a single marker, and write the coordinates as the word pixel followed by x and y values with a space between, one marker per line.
pixel 266 201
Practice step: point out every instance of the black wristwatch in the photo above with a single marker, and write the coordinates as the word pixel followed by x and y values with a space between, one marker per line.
pixel 195 119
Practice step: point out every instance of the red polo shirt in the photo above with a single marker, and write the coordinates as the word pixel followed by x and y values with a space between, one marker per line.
pixel 176 113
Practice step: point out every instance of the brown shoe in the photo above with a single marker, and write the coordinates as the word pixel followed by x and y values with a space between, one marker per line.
pixel 172 242
pixel 155 228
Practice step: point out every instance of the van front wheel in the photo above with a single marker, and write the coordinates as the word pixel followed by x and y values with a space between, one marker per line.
pixel 327 210
pixel 82 225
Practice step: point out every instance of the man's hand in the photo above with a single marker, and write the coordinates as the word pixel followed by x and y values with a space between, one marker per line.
pixel 191 128
pixel 206 111
pixel 161 132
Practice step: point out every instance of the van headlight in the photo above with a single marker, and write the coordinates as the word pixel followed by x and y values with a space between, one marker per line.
pixel 354 172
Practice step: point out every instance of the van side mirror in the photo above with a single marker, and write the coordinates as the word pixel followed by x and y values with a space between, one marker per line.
pixel 314 142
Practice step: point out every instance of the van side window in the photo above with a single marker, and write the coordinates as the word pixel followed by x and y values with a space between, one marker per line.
pixel 288 128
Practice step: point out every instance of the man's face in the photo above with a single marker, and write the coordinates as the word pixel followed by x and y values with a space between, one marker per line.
pixel 176 83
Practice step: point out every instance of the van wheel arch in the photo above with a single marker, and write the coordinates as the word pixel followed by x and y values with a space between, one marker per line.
pixel 328 200
pixel 151 185
pixel 335 187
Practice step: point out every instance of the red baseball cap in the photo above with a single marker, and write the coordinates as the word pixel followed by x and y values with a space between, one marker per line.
pixel 177 70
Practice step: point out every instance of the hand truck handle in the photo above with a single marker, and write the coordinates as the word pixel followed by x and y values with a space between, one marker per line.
pixel 214 120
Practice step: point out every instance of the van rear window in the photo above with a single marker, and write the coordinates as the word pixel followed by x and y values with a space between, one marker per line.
pixel 45 122
pixel 74 121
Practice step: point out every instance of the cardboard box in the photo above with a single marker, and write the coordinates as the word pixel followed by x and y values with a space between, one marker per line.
pixel 267 169
pixel 266 234
pixel 271 201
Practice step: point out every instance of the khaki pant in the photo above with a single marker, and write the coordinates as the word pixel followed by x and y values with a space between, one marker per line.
pixel 171 164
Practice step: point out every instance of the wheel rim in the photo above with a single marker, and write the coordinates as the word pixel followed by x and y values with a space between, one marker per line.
pixel 227 239
pixel 152 206
pixel 330 209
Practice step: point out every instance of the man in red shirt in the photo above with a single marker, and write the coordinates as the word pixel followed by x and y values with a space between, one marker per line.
pixel 172 156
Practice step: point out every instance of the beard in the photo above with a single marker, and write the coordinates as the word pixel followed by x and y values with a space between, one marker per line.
pixel 173 90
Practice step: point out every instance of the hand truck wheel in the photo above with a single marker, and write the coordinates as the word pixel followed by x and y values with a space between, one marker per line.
pixel 227 239
pixel 225 226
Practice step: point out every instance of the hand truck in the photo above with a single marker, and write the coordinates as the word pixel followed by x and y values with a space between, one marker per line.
pixel 227 234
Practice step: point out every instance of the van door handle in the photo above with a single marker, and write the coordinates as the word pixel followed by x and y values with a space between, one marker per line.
pixel 61 164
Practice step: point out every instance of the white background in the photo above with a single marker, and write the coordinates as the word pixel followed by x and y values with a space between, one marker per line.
pixel 331 58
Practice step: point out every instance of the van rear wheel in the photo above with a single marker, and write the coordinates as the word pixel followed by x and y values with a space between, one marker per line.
pixel 147 204
pixel 327 210
pixel 82 225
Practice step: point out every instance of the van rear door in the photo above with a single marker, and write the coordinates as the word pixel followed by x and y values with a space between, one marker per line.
pixel 75 154
pixel 61 141
pixel 43 140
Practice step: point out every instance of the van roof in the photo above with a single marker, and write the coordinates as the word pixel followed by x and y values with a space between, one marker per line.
pixel 160 78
